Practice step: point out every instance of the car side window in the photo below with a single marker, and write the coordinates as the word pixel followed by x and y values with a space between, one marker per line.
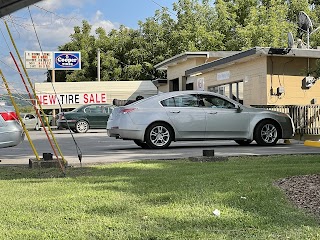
pixel 168 102
pixel 93 109
pixel 210 101
pixel 30 116
pixel 188 100
pixel 105 109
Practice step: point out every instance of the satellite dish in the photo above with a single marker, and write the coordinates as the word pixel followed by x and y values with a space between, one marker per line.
pixel 290 40
pixel 304 22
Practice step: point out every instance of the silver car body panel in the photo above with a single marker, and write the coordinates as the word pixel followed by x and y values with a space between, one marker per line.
pixel 189 123
pixel 11 132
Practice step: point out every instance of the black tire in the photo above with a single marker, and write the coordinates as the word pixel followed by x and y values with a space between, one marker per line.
pixel 82 126
pixel 141 144
pixel 243 142
pixel 158 135
pixel 266 133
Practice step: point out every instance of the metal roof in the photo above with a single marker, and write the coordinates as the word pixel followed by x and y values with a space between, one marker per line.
pixel 186 55
pixel 253 53
pixel 10 6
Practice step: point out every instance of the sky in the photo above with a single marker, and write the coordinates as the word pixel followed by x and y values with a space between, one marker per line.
pixel 54 21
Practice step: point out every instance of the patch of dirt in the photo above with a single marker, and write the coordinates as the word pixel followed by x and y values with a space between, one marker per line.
pixel 303 191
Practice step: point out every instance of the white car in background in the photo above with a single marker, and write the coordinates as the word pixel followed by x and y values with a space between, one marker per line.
pixel 29 120
pixel 11 132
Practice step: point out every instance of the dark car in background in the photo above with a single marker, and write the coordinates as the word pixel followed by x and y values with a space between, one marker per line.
pixel 81 119
pixel 11 132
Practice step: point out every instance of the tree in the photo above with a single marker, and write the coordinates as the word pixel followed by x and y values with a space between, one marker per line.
pixel 194 25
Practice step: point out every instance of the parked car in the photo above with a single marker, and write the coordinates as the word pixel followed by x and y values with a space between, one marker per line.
pixel 81 119
pixel 11 132
pixel 29 120
pixel 156 121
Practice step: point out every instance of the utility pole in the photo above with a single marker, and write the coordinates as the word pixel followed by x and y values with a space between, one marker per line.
pixel 98 65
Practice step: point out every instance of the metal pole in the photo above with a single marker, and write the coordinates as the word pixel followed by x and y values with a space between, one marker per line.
pixel 98 65
pixel 308 36
pixel 53 77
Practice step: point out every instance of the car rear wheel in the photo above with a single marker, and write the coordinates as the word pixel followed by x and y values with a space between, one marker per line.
pixel 243 142
pixel 141 144
pixel 82 126
pixel 158 135
pixel 266 133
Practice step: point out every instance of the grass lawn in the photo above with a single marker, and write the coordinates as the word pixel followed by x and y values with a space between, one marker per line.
pixel 157 200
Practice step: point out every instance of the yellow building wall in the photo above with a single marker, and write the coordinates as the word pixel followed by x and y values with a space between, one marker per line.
pixel 289 73
pixel 178 71
pixel 252 73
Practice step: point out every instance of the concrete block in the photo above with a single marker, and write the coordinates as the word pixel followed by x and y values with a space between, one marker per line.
pixel 34 163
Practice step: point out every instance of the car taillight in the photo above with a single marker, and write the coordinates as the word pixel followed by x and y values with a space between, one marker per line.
pixel 127 110
pixel 9 116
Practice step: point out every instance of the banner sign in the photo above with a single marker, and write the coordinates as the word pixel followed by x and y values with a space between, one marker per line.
pixel 38 60
pixel 223 75
pixel 67 60
pixel 72 98
pixel 200 84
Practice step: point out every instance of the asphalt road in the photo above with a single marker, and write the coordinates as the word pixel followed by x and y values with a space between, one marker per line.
pixel 96 147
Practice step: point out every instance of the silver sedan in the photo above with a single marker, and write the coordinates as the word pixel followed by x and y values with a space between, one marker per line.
pixel 11 132
pixel 156 121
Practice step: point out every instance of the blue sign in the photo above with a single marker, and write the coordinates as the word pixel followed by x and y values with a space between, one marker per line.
pixel 67 60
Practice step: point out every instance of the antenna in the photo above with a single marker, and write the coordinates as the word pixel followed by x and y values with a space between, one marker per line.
pixel 304 21
pixel 305 24
pixel 290 40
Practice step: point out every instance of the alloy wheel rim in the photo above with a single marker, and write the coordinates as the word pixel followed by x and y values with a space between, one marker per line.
pixel 82 126
pixel 269 133
pixel 159 136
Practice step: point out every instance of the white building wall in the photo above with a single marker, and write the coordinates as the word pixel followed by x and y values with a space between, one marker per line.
pixel 74 94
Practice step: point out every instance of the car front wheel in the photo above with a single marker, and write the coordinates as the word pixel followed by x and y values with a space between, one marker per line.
pixel 266 133
pixel 158 135
pixel 82 126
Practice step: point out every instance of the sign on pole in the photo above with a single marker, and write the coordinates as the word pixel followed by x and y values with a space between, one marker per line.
pixel 38 60
pixel 67 60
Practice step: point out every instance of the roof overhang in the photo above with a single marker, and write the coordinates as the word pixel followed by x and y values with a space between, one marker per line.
pixel 180 58
pixel 160 82
pixel 10 6
pixel 251 54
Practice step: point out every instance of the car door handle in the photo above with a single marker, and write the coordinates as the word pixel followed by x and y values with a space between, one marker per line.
pixel 212 112
pixel 177 111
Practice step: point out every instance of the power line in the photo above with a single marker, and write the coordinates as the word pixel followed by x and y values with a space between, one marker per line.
pixel 164 7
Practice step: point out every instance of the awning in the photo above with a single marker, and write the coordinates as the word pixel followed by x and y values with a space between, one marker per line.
pixel 10 6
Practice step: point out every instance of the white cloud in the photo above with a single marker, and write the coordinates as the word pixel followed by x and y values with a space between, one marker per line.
pixel 98 21
pixel 53 28
pixel 53 5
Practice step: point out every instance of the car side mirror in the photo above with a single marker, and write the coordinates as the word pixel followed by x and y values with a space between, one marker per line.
pixel 239 109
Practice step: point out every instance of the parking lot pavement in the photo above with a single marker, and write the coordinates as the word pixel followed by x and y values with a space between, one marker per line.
pixel 96 147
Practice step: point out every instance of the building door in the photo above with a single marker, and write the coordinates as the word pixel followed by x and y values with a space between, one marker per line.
pixel 174 85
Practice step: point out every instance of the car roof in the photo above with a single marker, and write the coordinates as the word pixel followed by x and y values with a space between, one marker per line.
pixel 178 93
pixel 159 97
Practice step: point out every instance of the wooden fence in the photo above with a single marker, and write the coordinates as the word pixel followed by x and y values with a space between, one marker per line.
pixel 306 118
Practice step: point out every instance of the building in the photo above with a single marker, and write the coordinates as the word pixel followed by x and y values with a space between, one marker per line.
pixel 66 95
pixel 258 76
